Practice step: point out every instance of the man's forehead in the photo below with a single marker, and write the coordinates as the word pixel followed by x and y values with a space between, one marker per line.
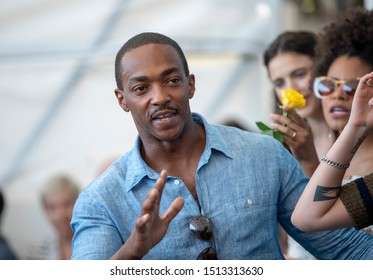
pixel 151 49
pixel 151 57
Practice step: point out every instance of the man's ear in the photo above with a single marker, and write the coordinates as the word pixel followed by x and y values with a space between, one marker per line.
pixel 121 100
pixel 192 85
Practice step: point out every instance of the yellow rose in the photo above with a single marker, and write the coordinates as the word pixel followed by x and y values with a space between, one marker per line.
pixel 292 99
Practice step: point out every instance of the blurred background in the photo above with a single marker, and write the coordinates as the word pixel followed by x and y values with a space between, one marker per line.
pixel 58 112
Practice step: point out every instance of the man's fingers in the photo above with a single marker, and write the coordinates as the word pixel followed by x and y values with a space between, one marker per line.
pixel 153 197
pixel 141 223
pixel 150 201
pixel 151 204
pixel 173 210
pixel 161 181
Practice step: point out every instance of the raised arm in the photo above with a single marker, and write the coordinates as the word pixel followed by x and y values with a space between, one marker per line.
pixel 319 207
pixel 150 227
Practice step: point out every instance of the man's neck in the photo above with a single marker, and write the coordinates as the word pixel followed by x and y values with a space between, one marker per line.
pixel 173 155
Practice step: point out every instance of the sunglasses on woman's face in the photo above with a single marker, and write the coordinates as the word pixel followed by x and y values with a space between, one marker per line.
pixel 201 228
pixel 325 86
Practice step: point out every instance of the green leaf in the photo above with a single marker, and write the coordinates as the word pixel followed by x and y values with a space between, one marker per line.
pixel 279 136
pixel 262 126
pixel 268 132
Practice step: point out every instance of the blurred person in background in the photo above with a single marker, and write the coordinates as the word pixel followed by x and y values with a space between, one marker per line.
pixel 58 198
pixel 6 252
pixel 235 123
pixel 105 164
pixel 288 60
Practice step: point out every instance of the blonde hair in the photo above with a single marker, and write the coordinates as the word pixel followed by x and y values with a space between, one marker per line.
pixel 59 182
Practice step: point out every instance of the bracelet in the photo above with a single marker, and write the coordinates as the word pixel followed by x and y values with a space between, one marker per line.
pixel 342 166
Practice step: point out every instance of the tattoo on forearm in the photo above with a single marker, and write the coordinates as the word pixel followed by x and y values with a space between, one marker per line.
pixel 326 193
pixel 359 141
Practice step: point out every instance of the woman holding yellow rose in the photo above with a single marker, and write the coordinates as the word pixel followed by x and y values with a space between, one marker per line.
pixel 344 57
pixel 289 59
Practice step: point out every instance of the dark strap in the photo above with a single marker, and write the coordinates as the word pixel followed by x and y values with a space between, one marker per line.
pixel 365 196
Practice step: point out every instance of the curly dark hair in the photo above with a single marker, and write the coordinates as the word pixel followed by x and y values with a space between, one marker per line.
pixel 349 34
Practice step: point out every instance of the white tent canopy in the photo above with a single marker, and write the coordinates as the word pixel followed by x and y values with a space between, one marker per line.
pixel 58 110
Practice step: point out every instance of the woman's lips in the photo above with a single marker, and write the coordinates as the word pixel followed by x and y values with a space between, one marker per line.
pixel 339 111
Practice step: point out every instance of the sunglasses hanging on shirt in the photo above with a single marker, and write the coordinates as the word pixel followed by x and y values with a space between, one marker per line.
pixel 201 227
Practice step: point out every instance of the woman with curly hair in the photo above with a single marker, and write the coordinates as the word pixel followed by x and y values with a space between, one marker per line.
pixel 344 57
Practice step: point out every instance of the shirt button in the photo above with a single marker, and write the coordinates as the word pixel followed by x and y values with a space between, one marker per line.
pixel 176 182
pixel 249 201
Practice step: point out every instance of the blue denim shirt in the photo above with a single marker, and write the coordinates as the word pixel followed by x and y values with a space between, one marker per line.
pixel 246 183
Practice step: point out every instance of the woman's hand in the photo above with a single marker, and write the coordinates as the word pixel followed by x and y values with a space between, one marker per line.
pixel 361 112
pixel 298 136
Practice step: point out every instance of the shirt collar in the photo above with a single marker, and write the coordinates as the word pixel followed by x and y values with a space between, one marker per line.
pixel 138 169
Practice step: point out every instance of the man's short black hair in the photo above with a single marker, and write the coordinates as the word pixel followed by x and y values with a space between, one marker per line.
pixel 143 39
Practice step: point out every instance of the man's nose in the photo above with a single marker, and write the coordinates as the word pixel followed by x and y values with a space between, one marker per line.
pixel 160 95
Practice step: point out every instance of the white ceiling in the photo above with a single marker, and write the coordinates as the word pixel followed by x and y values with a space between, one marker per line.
pixel 56 69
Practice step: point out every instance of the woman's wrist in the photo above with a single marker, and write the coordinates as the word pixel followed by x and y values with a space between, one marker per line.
pixel 354 131
pixel 346 145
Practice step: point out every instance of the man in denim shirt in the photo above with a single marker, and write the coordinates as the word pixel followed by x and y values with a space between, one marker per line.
pixel 189 189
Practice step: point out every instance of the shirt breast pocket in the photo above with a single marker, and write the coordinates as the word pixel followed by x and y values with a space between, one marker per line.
pixel 248 204
pixel 246 224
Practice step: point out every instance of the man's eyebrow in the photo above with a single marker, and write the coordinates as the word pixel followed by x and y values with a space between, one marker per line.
pixel 166 72
pixel 170 71
pixel 137 79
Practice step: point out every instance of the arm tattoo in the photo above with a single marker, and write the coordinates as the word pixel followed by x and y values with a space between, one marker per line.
pixel 326 193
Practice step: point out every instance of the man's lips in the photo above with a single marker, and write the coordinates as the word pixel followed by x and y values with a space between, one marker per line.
pixel 163 114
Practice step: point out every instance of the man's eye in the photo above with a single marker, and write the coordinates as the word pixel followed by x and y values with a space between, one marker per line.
pixel 173 81
pixel 139 89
